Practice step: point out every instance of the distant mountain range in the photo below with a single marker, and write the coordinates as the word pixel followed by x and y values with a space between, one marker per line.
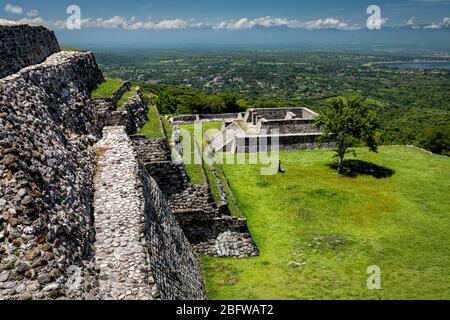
pixel 406 40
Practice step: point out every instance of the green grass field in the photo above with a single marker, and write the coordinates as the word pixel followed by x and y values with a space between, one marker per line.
pixel 153 128
pixel 194 171
pixel 106 89
pixel 68 49
pixel 125 97
pixel 318 232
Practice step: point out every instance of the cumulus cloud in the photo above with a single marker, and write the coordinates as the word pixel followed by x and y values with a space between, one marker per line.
pixel 11 8
pixel 411 21
pixel 444 24
pixel 268 21
pixel 32 13
pixel 132 23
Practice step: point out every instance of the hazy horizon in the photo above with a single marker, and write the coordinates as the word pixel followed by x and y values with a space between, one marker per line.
pixel 412 27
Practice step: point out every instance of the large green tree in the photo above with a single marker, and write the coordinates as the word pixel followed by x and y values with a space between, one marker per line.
pixel 350 122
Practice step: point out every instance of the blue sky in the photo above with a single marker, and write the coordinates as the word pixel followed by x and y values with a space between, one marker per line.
pixel 212 12
pixel 197 22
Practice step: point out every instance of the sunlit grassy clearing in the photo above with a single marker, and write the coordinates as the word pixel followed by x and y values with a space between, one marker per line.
pixel 153 127
pixel 399 223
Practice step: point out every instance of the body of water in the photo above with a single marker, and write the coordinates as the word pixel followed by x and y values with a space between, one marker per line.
pixel 417 65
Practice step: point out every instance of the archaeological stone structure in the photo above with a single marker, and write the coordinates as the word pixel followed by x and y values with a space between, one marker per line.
pixel 92 210
pixel 209 226
pixel 288 128
pixel 81 217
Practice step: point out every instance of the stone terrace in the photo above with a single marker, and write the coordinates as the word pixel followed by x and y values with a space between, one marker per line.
pixel 209 230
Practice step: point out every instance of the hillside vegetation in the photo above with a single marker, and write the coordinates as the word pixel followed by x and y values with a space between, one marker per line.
pixel 413 105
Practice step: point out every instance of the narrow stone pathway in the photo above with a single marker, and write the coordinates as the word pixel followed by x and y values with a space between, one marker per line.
pixel 119 249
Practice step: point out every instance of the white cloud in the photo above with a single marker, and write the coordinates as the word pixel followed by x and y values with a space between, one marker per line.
pixel 444 24
pixel 132 23
pixel 10 8
pixel 32 13
pixel 411 21
pixel 433 26
pixel 246 23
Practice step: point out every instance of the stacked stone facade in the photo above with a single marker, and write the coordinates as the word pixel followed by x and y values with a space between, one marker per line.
pixel 260 129
pixel 209 228
pixel 23 46
pixel 47 165
pixel 51 245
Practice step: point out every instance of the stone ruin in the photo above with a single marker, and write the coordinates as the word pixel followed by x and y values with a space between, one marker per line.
pixel 293 129
pixel 80 215
pixel 23 46
pixel 209 227
pixel 89 209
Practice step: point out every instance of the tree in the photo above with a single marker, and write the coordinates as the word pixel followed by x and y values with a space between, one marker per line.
pixel 350 122
pixel 230 102
pixel 437 140
pixel 167 104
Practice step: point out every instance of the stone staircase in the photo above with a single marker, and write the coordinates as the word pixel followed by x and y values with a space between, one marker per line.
pixel 224 140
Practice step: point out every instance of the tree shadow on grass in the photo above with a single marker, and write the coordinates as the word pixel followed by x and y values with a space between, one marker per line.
pixel 355 168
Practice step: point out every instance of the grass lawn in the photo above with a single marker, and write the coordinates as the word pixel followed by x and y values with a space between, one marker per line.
pixel 153 128
pixel 67 49
pixel 106 89
pixel 194 171
pixel 318 232
pixel 125 97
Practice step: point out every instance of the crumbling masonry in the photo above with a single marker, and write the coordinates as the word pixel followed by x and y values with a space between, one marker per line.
pixel 81 218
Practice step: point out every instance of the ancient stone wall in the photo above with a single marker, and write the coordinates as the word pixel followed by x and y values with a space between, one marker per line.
pixel 120 250
pixel 126 86
pixel 308 114
pixel 141 251
pixel 174 265
pixel 253 115
pixel 205 117
pixel 156 156
pixel 290 126
pixel 286 142
pixel 210 229
pixel 47 165
pixel 106 108
pixel 133 115
pixel 151 150
pixel 137 110
pixel 22 46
